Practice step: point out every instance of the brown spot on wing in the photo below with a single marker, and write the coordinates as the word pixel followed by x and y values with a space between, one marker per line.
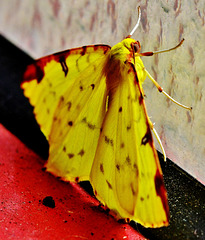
pixel 129 70
pixel 81 153
pixel 105 48
pixel 109 184
pixel 128 160
pixel 118 167
pixel 122 145
pixel 34 71
pixel 132 189
pixel 84 120
pixel 101 168
pixel 128 127
pixel 147 137
pixel 109 141
pixel 61 99
pixel 83 50
pixel 92 86
pixel 69 104
pixel 136 169
pixel 91 126
pixel 57 56
pixel 70 123
pixel 77 179
pixel 141 98
pixel 70 155
pixel 63 65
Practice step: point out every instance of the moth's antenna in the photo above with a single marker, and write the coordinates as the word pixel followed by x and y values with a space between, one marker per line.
pixel 138 22
pixel 160 143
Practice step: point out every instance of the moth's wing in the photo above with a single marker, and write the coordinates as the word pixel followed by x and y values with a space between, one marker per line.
pixel 126 173
pixel 68 92
pixel 46 80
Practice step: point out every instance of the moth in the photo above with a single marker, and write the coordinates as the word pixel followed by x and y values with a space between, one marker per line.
pixel 89 103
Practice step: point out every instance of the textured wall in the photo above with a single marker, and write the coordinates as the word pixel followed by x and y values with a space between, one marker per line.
pixel 44 27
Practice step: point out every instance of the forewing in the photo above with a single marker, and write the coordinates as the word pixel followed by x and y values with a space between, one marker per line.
pixel 68 92
pixel 126 174
pixel 46 80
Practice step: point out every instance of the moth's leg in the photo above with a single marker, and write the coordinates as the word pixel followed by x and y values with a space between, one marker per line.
pixel 158 138
pixel 160 89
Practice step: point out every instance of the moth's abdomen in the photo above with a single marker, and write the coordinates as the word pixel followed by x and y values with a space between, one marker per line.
pixel 112 71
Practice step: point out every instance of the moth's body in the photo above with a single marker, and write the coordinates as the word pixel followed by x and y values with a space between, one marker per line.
pixel 108 143
pixel 118 57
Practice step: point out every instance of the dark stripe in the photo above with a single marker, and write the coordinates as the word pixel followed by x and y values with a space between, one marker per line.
pixel 101 168
pixel 83 50
pixel 147 137
pixel 63 65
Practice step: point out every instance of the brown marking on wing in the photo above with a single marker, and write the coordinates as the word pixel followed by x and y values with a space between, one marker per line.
pixel 141 98
pixel 91 126
pixel 128 127
pixel 128 160
pixel 82 152
pixel 70 155
pixel 118 167
pixel 105 48
pixel 77 179
pixel 70 123
pixel 69 104
pixel 92 86
pixel 109 141
pixel 122 145
pixel 109 184
pixel 36 70
pixel 147 137
pixel 63 65
pixel 84 48
pixel 101 168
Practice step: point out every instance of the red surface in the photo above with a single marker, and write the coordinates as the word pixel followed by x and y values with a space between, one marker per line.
pixel 23 187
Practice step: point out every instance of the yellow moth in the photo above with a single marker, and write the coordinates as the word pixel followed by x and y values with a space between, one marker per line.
pixel 89 103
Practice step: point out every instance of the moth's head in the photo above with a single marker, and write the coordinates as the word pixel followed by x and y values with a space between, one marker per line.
pixel 126 50
pixel 132 45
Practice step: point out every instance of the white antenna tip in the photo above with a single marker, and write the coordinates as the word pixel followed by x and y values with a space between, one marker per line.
pixel 138 21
